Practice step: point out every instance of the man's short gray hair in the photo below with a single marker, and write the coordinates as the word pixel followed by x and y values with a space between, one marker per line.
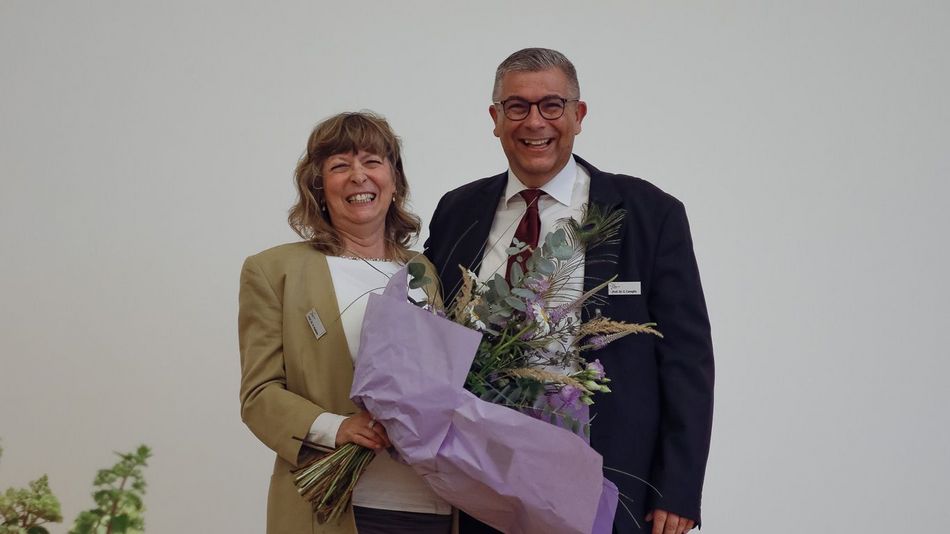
pixel 536 60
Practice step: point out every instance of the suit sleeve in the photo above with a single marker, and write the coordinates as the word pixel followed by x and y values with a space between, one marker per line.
pixel 685 366
pixel 274 414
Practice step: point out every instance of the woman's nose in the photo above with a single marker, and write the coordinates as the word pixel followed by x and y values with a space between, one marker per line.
pixel 358 175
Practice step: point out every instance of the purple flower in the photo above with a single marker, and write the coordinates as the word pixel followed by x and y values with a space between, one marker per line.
pixel 538 285
pixel 598 342
pixel 569 395
pixel 557 314
pixel 597 368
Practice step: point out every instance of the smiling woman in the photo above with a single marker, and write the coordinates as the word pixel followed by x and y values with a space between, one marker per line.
pixel 298 349
pixel 351 154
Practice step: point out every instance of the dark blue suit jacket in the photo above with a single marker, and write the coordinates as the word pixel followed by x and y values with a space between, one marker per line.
pixel 656 423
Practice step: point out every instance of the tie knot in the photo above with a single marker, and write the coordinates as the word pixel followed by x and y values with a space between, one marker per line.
pixel 530 196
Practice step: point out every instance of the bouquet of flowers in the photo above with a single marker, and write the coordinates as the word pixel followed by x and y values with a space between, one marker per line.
pixel 530 357
pixel 528 341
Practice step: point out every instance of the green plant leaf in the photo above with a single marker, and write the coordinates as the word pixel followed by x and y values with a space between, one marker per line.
pixel 416 283
pixel 515 303
pixel 546 266
pixel 118 494
pixel 500 285
pixel 416 269
pixel 563 252
pixel 556 239
pixel 120 523
pixel 516 274
pixel 526 294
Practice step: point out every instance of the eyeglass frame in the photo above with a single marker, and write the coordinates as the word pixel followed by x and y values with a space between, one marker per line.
pixel 537 104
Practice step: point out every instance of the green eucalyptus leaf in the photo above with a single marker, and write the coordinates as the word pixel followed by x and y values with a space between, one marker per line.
pixel 500 285
pixel 546 266
pixel 530 264
pixel 556 238
pixel 526 294
pixel 515 303
pixel 416 269
pixel 516 274
pixel 497 319
pixel 416 283
pixel 563 252
pixel 504 312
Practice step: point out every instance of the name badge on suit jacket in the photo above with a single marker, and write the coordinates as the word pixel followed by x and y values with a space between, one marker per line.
pixel 315 323
pixel 623 288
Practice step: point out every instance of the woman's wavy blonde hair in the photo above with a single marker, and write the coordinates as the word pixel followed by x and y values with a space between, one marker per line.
pixel 348 133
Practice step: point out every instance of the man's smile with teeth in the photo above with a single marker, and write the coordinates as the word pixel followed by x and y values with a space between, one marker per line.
pixel 360 198
pixel 536 142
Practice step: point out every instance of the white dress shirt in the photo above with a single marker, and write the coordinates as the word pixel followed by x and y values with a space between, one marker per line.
pixel 566 194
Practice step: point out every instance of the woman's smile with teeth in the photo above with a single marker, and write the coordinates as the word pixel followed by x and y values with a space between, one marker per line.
pixel 361 198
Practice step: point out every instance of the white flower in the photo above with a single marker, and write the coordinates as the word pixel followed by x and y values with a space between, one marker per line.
pixel 473 318
pixel 542 320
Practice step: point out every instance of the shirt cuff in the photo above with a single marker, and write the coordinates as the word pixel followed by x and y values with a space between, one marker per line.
pixel 324 429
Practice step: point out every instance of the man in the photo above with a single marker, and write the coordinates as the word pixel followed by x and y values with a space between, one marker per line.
pixel 656 423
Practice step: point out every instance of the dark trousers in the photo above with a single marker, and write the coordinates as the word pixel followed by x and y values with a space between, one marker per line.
pixel 470 525
pixel 376 521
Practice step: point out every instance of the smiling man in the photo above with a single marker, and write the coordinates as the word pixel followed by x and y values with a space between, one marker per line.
pixel 656 423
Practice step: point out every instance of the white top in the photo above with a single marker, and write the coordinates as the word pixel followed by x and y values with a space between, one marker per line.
pixel 567 192
pixel 386 484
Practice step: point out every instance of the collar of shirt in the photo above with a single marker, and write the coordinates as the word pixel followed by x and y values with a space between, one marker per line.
pixel 560 188
pixel 571 187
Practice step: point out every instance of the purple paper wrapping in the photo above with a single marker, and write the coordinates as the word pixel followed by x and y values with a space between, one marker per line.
pixel 507 469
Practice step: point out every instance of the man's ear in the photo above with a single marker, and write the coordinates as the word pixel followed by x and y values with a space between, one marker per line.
pixel 580 114
pixel 493 111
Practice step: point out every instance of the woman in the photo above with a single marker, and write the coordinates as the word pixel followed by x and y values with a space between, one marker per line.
pixel 297 348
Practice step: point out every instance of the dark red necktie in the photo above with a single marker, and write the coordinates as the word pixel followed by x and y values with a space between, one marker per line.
pixel 529 229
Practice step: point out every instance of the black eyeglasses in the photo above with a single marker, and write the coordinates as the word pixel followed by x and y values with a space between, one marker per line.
pixel 550 107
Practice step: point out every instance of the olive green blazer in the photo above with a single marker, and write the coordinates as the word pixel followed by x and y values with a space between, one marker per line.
pixel 288 376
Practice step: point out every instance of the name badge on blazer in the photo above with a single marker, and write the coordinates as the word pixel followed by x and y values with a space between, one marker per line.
pixel 315 323
pixel 623 288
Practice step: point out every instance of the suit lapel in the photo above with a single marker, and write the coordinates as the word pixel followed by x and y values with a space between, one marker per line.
pixel 485 215
pixel 601 263
pixel 477 217
pixel 321 294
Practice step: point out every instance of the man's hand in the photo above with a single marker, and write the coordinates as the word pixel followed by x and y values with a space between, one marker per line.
pixel 363 430
pixel 669 523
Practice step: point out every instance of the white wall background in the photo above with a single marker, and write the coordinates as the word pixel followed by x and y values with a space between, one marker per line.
pixel 147 148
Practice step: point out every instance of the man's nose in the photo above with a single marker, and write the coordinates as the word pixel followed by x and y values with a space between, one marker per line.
pixel 534 117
